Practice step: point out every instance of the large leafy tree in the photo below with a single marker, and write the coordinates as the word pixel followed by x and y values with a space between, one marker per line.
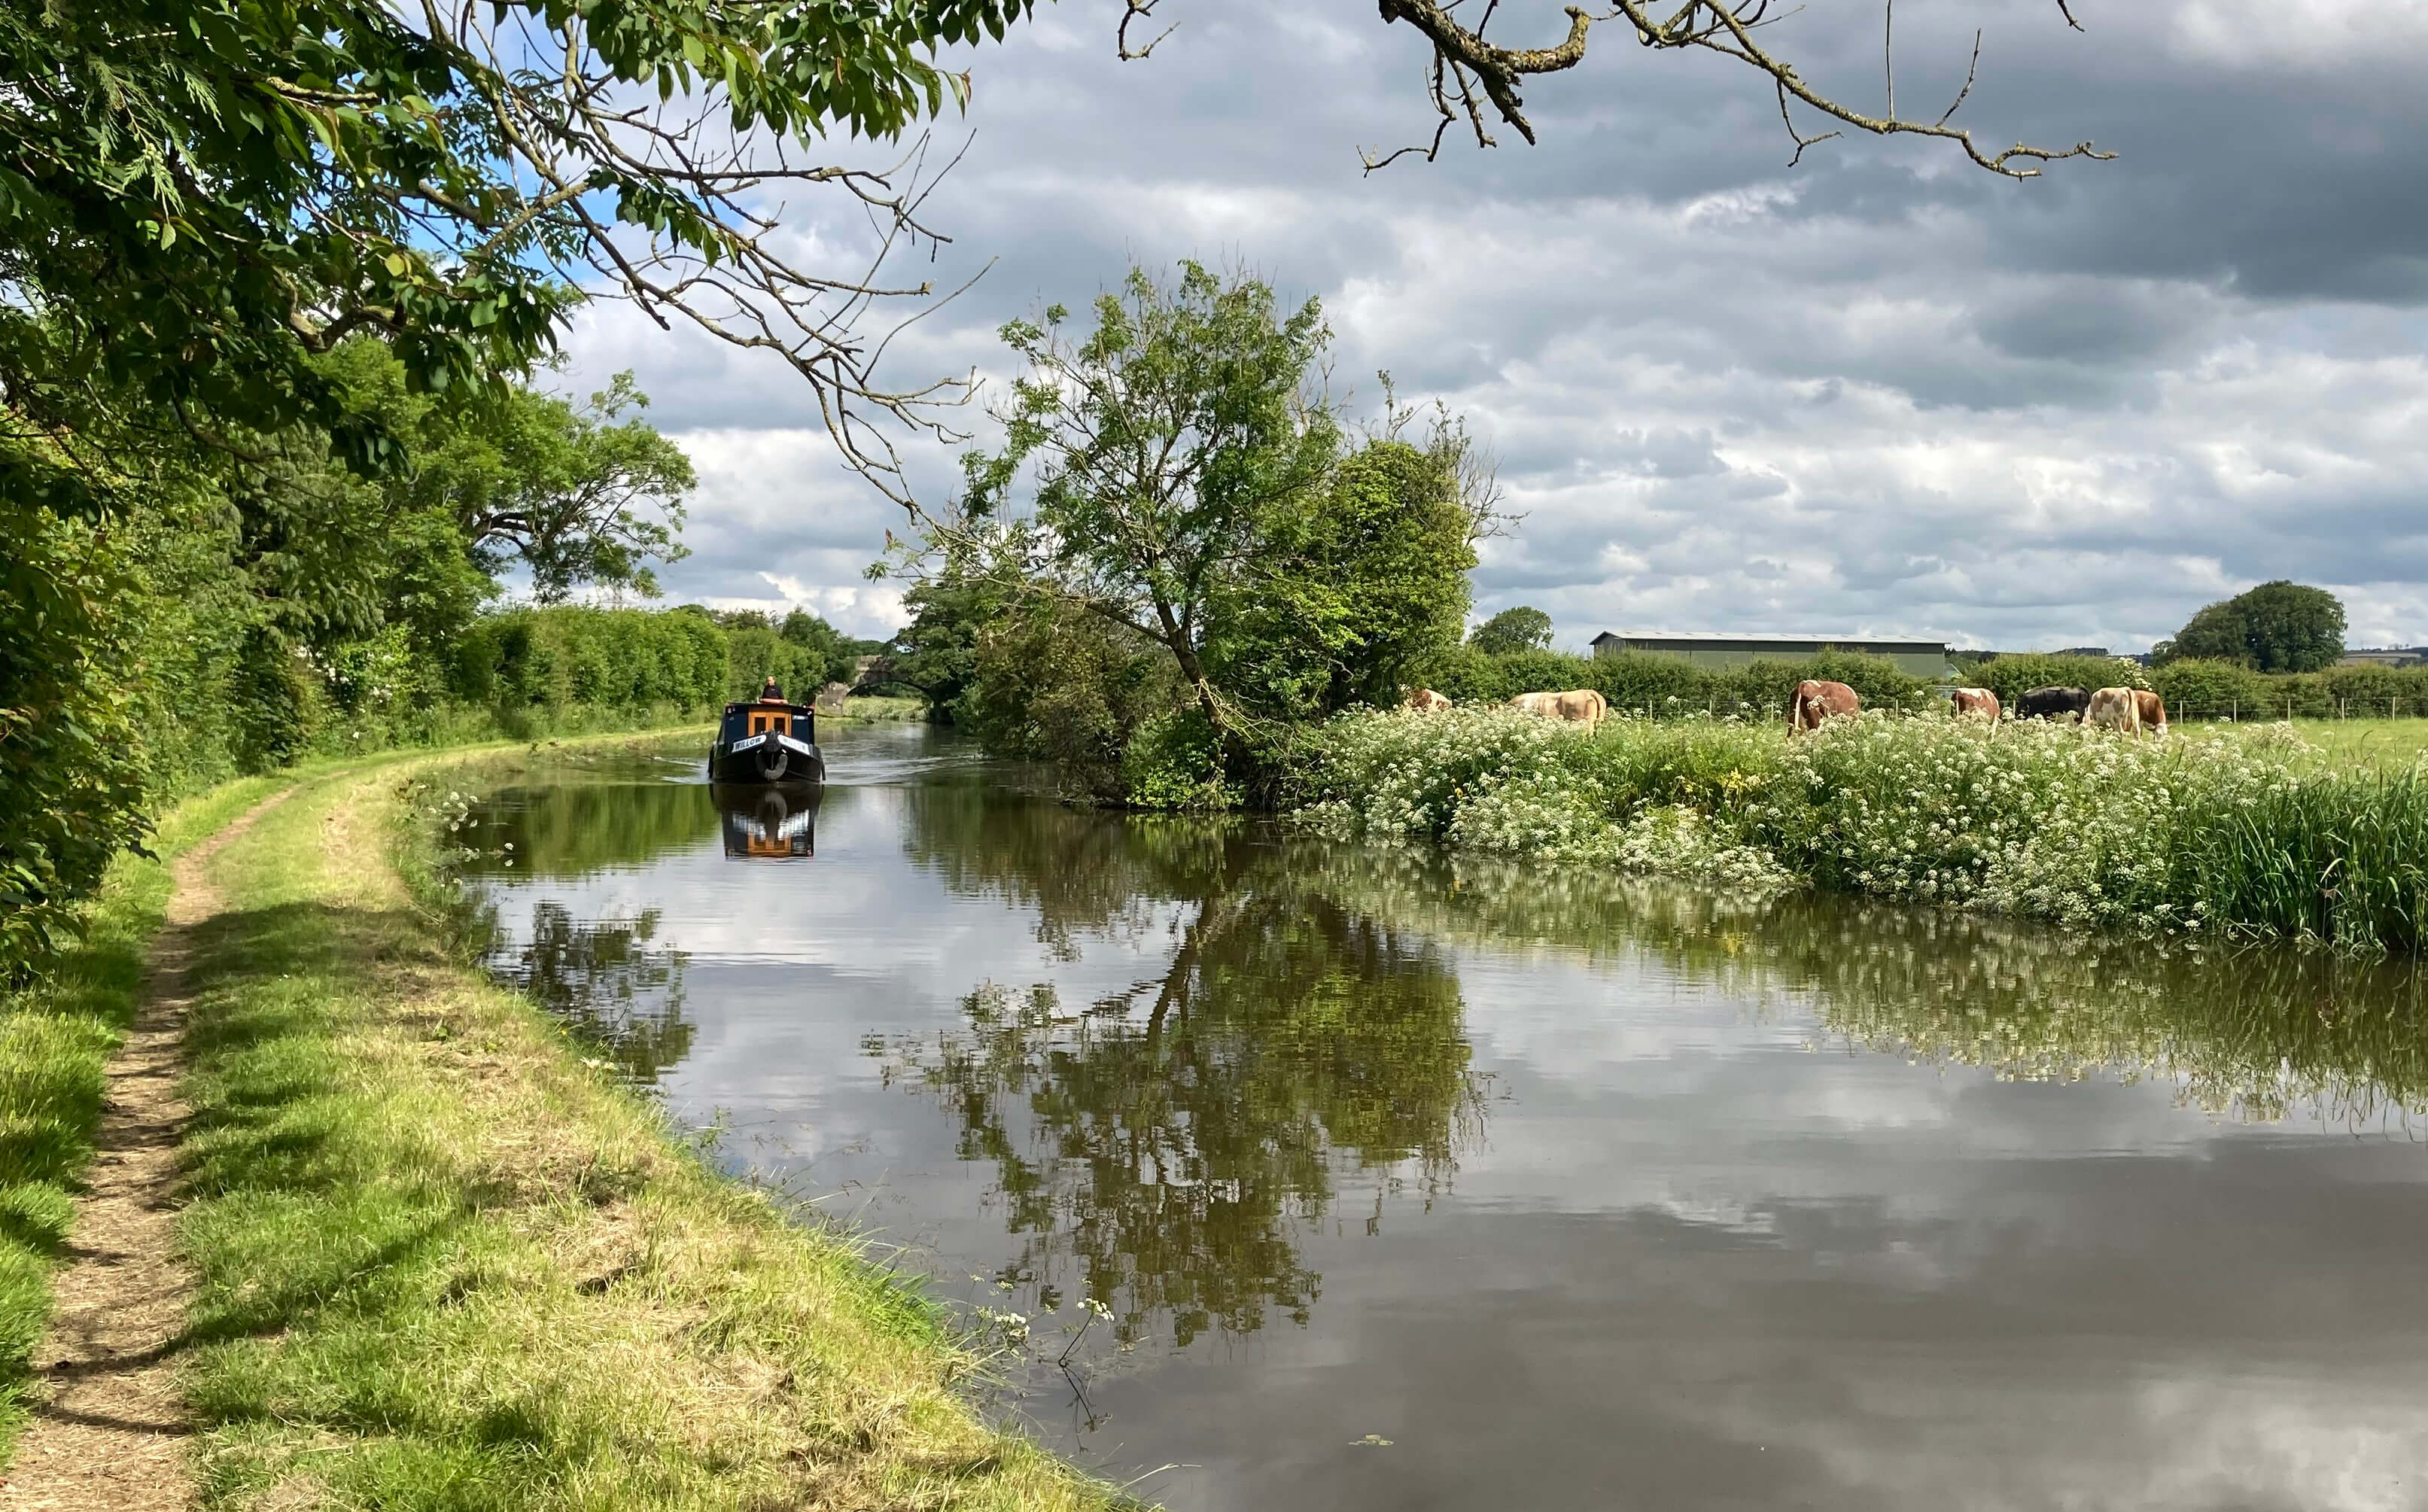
pixel 587 494
pixel 1360 584
pixel 1169 450
pixel 2276 627
pixel 1521 629
pixel 937 651
pixel 1179 476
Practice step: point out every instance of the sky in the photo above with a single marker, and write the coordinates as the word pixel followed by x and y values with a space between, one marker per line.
pixel 1879 392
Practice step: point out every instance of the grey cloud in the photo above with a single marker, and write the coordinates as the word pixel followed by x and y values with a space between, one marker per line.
pixel 1880 391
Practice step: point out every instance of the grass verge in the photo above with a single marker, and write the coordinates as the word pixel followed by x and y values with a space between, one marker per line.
pixel 54 1041
pixel 447 1264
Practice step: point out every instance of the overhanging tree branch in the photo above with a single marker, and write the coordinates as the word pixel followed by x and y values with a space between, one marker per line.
pixel 1469 72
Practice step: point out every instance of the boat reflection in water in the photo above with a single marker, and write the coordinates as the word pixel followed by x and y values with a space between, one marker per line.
pixel 777 822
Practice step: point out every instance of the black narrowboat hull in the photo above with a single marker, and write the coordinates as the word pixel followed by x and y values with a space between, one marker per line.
pixel 767 757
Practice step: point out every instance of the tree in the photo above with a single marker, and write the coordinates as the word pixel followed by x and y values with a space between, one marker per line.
pixel 937 651
pixel 2276 627
pixel 204 194
pixel 1359 584
pixel 580 495
pixel 1167 449
pixel 1179 476
pixel 1512 631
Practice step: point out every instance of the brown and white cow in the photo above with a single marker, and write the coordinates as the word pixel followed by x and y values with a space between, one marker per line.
pixel 1584 706
pixel 1425 700
pixel 1816 701
pixel 2115 709
pixel 2153 709
pixel 1979 701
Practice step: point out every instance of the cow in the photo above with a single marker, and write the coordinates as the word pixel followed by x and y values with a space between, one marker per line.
pixel 1584 706
pixel 1815 701
pixel 2053 703
pixel 2115 709
pixel 2153 709
pixel 1979 701
pixel 1425 700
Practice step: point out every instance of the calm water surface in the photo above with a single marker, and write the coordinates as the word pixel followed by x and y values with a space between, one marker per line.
pixel 1414 1184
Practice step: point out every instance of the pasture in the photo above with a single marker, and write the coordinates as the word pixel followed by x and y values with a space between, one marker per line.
pixel 2385 745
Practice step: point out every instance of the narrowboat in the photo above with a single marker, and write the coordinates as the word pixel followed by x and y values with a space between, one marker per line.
pixel 766 742
pixel 770 821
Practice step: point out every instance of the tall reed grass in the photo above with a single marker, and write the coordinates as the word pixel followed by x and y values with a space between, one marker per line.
pixel 2244 837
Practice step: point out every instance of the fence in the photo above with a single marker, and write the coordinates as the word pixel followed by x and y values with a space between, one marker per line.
pixel 2234 710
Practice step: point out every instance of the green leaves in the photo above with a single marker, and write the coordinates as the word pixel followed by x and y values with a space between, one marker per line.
pixel 198 195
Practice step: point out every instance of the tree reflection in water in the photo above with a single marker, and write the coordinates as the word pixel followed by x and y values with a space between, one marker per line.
pixel 605 982
pixel 1164 1148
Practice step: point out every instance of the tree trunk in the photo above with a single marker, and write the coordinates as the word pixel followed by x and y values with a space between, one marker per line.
pixel 1177 640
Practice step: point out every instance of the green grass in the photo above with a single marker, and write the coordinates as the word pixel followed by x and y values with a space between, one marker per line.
pixel 55 1039
pixel 2387 744
pixel 447 1264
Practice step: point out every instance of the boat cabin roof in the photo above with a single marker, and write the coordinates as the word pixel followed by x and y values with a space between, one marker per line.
pixel 767 703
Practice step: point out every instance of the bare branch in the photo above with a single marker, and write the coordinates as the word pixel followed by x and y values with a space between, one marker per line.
pixel 671 208
pixel 1132 11
pixel 1465 64
pixel 1970 69
pixel 1801 141
pixel 1888 56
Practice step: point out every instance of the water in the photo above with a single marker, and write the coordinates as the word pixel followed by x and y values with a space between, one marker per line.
pixel 1409 1184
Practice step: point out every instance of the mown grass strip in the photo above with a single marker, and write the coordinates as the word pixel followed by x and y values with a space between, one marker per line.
pixel 55 1039
pixel 446 1264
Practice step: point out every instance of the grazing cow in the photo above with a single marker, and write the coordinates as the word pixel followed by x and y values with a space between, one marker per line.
pixel 2053 703
pixel 1815 701
pixel 1425 700
pixel 1584 706
pixel 2153 709
pixel 2115 709
pixel 1979 701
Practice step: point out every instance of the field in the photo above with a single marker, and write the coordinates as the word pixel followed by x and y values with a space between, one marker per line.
pixel 2384 744
pixel 2253 831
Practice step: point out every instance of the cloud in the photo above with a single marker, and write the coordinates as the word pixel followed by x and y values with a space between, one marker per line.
pixel 1878 392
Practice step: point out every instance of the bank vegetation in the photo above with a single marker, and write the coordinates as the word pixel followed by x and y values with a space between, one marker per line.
pixel 2251 838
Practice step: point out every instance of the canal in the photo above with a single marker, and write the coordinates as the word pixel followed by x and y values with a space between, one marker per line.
pixel 1323 1176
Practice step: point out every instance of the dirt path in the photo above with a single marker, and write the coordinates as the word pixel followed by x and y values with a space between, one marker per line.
pixel 113 1433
